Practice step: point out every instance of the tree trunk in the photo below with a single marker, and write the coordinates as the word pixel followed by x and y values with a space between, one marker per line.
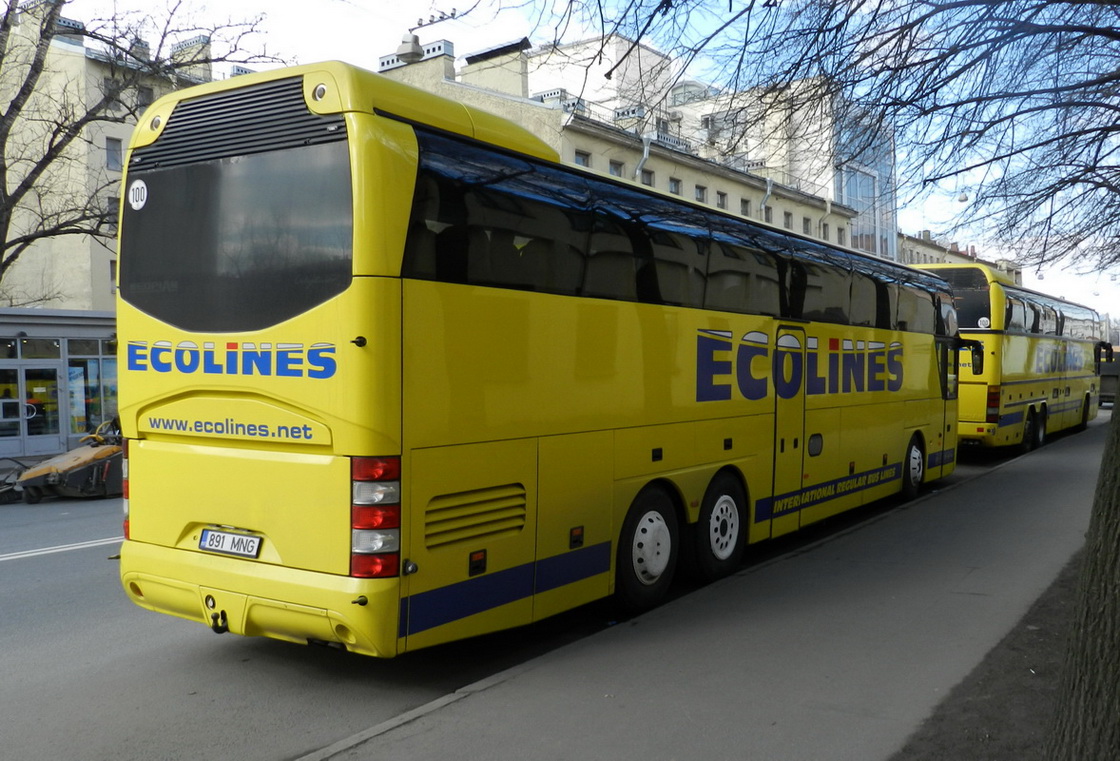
pixel 1087 725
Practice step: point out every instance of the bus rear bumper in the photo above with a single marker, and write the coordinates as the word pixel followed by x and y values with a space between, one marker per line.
pixel 255 599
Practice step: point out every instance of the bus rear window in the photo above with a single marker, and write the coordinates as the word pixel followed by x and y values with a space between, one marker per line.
pixel 238 243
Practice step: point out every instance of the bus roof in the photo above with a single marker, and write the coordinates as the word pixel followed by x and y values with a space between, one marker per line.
pixel 333 87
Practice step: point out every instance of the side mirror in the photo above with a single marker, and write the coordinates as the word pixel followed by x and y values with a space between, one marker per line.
pixel 1102 352
pixel 976 349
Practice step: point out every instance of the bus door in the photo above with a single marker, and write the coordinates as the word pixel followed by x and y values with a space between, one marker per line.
pixel 789 428
pixel 472 539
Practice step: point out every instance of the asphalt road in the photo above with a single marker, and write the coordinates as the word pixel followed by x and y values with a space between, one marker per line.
pixel 86 675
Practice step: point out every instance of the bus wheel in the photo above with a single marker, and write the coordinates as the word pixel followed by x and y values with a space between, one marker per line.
pixel 647 551
pixel 913 468
pixel 32 495
pixel 720 531
pixel 1034 431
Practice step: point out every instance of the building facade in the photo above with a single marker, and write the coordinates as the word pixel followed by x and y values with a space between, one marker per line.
pixel 607 132
pixel 58 372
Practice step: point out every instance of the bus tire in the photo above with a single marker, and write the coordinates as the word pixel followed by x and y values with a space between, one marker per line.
pixel 1034 431
pixel 32 495
pixel 720 536
pixel 913 468
pixel 647 551
pixel 1029 426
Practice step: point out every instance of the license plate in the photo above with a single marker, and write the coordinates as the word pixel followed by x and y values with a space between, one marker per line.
pixel 229 543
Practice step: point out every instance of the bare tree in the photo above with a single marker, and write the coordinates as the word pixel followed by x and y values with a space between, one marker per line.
pixel 1017 102
pixel 1014 102
pixel 50 110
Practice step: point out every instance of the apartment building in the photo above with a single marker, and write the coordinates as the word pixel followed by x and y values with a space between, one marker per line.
pixel 58 372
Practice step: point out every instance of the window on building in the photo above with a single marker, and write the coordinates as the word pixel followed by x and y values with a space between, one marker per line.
pixel 674 185
pixel 745 207
pixel 807 225
pixel 112 209
pixel 144 97
pixel 721 199
pixel 583 158
pixel 112 90
pixel 617 168
pixel 824 231
pixel 647 177
pixel 768 214
pixel 114 155
pixel 113 276
pixel 701 194
pixel 787 220
pixel 841 236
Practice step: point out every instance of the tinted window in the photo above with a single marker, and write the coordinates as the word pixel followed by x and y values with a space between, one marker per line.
pixel 491 219
pixel 916 310
pixel 240 243
pixel 742 277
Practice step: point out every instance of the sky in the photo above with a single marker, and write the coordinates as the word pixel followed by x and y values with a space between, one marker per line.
pixel 361 31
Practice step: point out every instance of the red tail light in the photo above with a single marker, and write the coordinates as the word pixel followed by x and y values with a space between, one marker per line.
pixel 992 412
pixel 375 517
pixel 124 484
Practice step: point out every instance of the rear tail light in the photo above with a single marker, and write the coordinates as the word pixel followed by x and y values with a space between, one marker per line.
pixel 375 517
pixel 124 484
pixel 992 411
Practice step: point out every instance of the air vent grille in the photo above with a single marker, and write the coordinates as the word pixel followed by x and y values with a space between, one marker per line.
pixel 470 516
pixel 265 117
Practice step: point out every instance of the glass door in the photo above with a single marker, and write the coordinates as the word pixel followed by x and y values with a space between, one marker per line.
pixel 11 414
pixel 30 415
pixel 42 416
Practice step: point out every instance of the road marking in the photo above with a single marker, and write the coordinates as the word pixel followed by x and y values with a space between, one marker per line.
pixel 60 548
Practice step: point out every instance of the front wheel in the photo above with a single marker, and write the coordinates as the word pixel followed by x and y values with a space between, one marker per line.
pixel 913 469
pixel 720 532
pixel 647 551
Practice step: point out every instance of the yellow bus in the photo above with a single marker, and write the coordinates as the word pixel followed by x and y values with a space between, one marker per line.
pixel 391 375
pixel 1043 356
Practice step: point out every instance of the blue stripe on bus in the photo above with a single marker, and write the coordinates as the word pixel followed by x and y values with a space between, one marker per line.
pixel 944 457
pixel 445 605
pixel 791 502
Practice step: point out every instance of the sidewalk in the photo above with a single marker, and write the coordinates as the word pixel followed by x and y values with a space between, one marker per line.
pixel 836 652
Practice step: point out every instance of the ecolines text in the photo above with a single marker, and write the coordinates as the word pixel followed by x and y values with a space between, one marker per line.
pixel 286 360
pixel 840 367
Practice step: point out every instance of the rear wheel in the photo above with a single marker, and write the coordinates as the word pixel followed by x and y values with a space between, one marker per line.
pixel 913 468
pixel 32 495
pixel 1034 431
pixel 720 532
pixel 647 551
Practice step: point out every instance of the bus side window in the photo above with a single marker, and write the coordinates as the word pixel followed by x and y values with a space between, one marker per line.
pixel 865 298
pixel 827 293
pixel 742 280
pixel 1016 318
pixel 680 261
pixel 916 311
pixel 611 265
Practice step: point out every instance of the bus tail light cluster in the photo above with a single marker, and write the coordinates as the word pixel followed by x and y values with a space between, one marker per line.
pixel 124 483
pixel 375 517
pixel 992 409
